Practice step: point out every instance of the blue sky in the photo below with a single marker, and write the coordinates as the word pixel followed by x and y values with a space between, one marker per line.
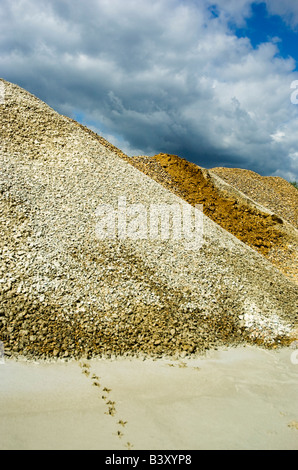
pixel 262 26
pixel 208 80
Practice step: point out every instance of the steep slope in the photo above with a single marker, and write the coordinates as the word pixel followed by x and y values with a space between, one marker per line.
pixel 273 192
pixel 252 223
pixel 65 292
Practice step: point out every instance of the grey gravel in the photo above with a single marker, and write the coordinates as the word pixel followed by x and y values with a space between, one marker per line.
pixel 65 293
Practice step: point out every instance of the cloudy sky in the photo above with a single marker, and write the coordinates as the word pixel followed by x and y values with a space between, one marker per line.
pixel 208 80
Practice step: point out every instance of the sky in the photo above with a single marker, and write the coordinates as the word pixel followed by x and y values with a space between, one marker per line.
pixel 212 81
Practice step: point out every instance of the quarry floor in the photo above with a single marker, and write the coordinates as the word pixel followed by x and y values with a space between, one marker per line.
pixel 237 398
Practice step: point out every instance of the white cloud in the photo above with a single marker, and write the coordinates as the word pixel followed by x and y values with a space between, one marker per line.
pixel 238 11
pixel 232 10
pixel 158 75
pixel 287 9
pixel 278 136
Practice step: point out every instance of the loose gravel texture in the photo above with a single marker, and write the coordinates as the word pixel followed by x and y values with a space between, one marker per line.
pixel 257 226
pixel 66 293
pixel 273 192
pixel 277 195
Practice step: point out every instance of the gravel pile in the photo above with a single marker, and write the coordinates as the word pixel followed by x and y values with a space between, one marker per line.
pixel 255 225
pixel 273 192
pixel 278 196
pixel 66 293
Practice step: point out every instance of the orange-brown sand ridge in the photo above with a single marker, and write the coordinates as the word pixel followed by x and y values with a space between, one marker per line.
pixel 260 230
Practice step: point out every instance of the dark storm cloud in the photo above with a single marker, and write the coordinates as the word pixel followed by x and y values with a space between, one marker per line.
pixel 163 75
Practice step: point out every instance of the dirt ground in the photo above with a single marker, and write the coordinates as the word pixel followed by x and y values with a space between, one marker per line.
pixel 242 398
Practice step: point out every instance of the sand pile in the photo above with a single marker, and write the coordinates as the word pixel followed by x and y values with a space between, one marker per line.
pixel 244 217
pixel 66 293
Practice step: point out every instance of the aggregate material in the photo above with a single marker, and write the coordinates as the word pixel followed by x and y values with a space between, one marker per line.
pixel 272 192
pixel 66 293
pixel 236 211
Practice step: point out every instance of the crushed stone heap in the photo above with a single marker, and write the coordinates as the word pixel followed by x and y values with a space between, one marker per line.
pixel 273 192
pixel 254 224
pixel 66 293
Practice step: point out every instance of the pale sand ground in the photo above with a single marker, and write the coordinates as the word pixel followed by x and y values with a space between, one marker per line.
pixel 234 399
